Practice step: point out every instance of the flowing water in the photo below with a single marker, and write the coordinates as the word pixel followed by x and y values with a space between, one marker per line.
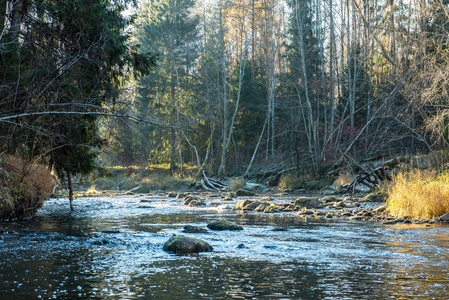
pixel 111 248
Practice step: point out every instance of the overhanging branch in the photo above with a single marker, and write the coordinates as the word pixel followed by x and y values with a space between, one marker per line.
pixel 102 114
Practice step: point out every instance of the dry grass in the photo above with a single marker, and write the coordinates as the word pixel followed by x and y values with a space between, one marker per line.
pixel 148 181
pixel 344 177
pixel 164 182
pixel 236 183
pixel 289 181
pixel 417 194
pixel 23 186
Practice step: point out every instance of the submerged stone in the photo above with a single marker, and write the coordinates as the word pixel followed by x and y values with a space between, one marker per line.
pixel 182 244
pixel 223 225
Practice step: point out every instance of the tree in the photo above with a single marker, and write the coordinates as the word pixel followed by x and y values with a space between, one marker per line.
pixel 165 27
pixel 306 73
pixel 61 57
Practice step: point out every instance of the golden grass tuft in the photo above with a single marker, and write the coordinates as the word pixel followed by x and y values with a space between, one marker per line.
pixel 421 195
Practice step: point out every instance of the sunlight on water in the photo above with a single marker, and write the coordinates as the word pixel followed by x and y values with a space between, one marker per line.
pixel 111 248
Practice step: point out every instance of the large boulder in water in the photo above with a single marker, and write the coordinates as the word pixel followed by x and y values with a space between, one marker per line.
pixel 223 225
pixel 182 244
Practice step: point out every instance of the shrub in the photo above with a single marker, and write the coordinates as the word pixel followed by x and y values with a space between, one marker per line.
pixel 419 194
pixel 289 181
pixel 344 177
pixel 236 183
pixel 23 187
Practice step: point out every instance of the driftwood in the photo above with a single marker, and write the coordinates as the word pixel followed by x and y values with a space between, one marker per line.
pixel 211 184
pixel 274 173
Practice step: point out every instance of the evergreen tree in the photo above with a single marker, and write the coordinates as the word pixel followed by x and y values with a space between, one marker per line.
pixel 62 64
pixel 164 27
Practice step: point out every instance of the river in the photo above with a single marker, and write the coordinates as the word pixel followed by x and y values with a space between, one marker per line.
pixel 111 248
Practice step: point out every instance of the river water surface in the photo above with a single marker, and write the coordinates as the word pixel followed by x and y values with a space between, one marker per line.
pixel 111 248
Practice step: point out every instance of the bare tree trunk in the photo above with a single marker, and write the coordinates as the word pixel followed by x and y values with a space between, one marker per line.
pixel 257 146
pixel 173 152
pixel 348 61
pixel 242 66
pixel 16 17
pixel 253 39
pixel 310 125
pixel 354 75
pixel 392 32
pixel 331 65
pixel 70 184
pixel 2 16
pixel 222 168
pixel 178 135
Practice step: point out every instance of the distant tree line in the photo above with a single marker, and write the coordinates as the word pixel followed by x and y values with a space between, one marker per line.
pixel 239 84
pixel 297 83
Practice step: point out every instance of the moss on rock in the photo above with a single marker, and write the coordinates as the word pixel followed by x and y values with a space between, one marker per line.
pixel 223 225
pixel 182 244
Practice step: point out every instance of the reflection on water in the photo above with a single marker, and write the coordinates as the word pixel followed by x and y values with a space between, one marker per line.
pixel 111 248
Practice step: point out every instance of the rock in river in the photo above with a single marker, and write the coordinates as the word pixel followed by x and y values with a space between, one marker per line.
pixel 194 229
pixel 223 225
pixel 182 244
pixel 242 192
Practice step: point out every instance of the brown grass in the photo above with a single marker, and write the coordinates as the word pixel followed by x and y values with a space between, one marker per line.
pixel 344 177
pixel 150 180
pixel 417 194
pixel 289 181
pixel 236 183
pixel 23 186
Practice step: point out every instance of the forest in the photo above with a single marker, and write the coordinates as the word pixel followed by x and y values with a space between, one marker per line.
pixel 227 87
pixel 224 149
pixel 309 85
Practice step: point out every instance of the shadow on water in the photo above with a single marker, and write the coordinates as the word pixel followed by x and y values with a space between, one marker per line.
pixel 111 248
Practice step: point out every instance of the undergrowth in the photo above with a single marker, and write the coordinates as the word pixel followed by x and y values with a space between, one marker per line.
pixel 23 187
pixel 147 179
pixel 289 181
pixel 236 183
